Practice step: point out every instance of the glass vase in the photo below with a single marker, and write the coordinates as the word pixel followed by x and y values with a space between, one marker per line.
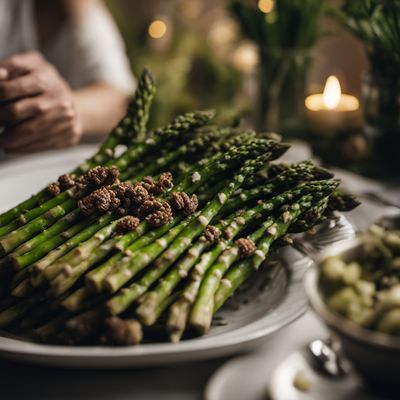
pixel 283 79
pixel 381 107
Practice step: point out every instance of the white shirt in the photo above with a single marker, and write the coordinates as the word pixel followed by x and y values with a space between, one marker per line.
pixel 85 51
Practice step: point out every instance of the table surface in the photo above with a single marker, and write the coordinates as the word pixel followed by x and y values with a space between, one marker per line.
pixel 185 381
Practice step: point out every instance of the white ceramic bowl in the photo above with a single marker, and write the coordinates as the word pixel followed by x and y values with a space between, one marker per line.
pixel 375 355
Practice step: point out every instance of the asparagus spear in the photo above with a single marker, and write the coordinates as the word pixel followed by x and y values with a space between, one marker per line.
pixel 180 125
pixel 68 277
pixel 242 270
pixel 21 261
pixel 203 308
pixel 147 310
pixel 180 310
pixel 98 274
pixel 95 278
pixel 121 301
pixel 342 201
pixel 126 246
pixel 38 280
pixel 80 253
pixel 19 236
pixel 131 127
pixel 229 158
pixel 290 175
pixel 191 150
pixel 310 218
pixel 71 243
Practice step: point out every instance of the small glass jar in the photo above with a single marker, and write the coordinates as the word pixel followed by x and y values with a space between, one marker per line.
pixel 381 108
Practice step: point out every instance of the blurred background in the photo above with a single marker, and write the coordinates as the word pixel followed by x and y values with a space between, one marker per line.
pixel 254 67
pixel 197 52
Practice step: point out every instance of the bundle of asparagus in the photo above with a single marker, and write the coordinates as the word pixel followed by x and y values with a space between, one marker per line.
pixel 121 243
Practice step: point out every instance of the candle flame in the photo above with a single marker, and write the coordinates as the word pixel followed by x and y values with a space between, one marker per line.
pixel 332 93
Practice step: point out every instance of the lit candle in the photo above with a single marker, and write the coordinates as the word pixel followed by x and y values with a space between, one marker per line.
pixel 332 110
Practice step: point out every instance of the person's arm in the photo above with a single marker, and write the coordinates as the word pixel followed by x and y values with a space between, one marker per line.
pixel 42 112
pixel 101 96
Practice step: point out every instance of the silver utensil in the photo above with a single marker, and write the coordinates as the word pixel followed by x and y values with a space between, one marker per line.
pixel 326 357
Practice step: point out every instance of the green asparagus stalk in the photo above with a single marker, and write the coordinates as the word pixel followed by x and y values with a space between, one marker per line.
pixel 81 299
pixel 59 266
pixel 131 127
pixel 243 269
pixel 126 270
pixel 148 306
pixel 71 243
pixel 342 201
pixel 79 254
pixel 190 186
pixel 203 308
pixel 126 246
pixel 68 277
pixel 34 213
pixel 193 149
pixel 43 249
pixel 292 175
pixel 310 218
pixel 121 301
pixel 180 125
pixel 16 238
pixel 58 228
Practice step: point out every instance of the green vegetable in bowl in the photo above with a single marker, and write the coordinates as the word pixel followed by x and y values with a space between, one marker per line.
pixel 366 290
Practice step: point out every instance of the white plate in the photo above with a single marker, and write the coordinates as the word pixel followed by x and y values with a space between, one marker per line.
pixel 281 302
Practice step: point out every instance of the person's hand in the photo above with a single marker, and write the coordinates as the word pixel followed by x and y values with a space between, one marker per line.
pixel 36 106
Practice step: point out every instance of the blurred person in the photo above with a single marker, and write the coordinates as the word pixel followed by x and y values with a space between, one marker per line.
pixel 64 74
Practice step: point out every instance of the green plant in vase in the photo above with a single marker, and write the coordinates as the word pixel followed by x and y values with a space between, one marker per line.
pixel 377 24
pixel 285 32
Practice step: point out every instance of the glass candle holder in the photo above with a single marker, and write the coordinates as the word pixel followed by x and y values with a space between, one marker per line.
pixel 283 78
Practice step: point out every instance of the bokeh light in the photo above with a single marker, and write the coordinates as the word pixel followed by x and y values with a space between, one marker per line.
pixel 222 32
pixel 266 6
pixel 245 57
pixel 157 29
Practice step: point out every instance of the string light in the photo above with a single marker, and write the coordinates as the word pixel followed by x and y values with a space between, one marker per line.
pixel 157 29
pixel 266 6
pixel 245 57
pixel 222 32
